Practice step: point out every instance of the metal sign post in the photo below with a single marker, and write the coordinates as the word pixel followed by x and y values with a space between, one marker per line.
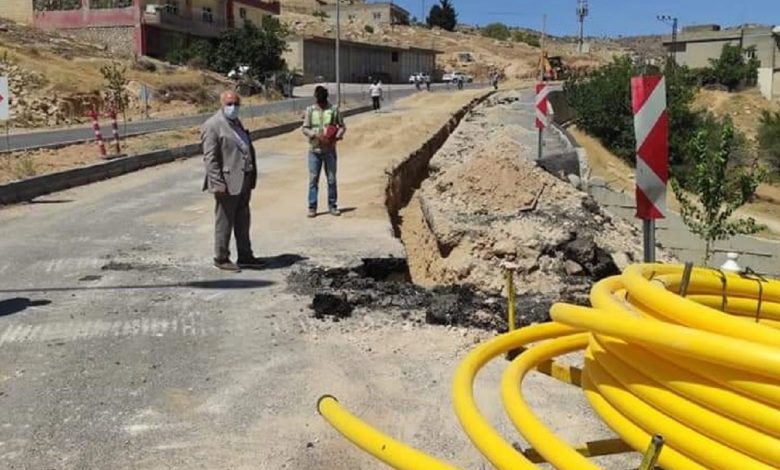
pixel 542 92
pixel 651 125
pixel 5 115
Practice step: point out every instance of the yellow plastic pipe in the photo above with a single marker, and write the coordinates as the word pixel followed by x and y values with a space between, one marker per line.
pixel 492 445
pixel 656 363
pixel 383 447
pixel 544 441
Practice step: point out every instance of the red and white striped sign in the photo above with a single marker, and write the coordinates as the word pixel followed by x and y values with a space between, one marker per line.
pixel 651 125
pixel 542 92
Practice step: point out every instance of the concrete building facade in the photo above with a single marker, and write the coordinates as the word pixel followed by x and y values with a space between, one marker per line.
pixel 144 27
pixel 315 58
pixel 695 46
pixel 381 13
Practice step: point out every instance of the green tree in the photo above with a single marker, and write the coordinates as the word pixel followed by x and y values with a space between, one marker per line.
pixel 260 49
pixel 769 139
pixel 115 76
pixel 498 31
pixel 719 186
pixel 443 16
pixel 732 68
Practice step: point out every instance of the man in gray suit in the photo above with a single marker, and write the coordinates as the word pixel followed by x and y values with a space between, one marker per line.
pixel 231 174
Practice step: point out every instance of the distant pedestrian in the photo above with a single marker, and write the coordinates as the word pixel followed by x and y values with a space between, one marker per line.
pixel 494 80
pixel 460 82
pixel 428 82
pixel 375 90
pixel 324 126
pixel 231 174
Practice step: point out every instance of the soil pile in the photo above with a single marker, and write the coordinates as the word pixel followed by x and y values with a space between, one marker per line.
pixel 486 208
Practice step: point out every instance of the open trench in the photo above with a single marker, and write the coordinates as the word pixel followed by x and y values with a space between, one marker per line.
pixel 431 285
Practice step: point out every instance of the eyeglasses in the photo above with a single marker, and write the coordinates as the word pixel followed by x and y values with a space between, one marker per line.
pixel 233 104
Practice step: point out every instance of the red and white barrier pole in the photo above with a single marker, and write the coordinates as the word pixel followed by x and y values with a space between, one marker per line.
pixel 651 125
pixel 542 92
pixel 115 132
pixel 98 135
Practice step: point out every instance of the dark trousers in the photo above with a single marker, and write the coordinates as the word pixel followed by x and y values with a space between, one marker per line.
pixel 375 102
pixel 232 215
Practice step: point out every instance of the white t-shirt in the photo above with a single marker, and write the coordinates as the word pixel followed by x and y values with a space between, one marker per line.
pixel 375 90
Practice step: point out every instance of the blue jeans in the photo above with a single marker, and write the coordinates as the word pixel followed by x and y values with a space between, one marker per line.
pixel 316 161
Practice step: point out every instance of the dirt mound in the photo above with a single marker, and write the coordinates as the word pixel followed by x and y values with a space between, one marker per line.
pixel 490 182
pixel 485 208
pixel 382 285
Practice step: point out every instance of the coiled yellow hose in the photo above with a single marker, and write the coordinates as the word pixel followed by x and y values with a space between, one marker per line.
pixel 701 369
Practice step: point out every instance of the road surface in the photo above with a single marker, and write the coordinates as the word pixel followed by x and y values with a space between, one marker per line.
pixel 123 348
pixel 56 137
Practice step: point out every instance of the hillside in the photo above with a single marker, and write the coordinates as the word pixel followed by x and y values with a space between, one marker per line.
pixel 55 79
pixel 516 59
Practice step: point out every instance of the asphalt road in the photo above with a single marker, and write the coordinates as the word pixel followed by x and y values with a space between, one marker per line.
pixel 57 137
pixel 122 348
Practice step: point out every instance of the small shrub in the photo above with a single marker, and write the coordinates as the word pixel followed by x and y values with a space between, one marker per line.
pixel 526 37
pixel 498 31
pixel 369 29
pixel 321 15
pixel 25 167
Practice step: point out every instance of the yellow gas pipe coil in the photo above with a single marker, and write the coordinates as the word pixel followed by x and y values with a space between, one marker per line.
pixel 656 362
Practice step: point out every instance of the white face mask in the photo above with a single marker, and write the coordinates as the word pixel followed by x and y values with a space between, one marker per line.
pixel 231 111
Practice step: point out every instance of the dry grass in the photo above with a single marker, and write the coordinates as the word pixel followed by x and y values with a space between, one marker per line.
pixel 20 165
pixel 620 176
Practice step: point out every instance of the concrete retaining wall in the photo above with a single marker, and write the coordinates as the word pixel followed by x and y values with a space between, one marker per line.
pixel 404 179
pixel 25 190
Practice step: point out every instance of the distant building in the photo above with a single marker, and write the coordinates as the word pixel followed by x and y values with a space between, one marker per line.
pixel 147 27
pixel 696 45
pixel 315 57
pixel 381 13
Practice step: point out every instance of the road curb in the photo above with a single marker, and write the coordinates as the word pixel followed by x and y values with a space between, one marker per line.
pixel 28 189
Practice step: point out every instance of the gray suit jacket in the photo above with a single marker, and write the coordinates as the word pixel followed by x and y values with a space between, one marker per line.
pixel 223 154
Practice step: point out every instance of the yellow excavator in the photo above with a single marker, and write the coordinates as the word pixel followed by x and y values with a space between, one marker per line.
pixel 552 68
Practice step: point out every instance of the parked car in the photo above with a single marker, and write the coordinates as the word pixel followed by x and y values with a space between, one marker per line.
pixel 453 76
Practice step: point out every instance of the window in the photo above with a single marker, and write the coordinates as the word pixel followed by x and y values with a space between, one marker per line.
pixel 394 56
pixel 377 15
pixel 750 53
pixel 207 15
pixel 172 6
pixel 242 13
pixel 351 17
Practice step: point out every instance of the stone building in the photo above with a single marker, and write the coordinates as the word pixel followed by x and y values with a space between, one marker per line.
pixel 315 57
pixel 144 27
pixel 696 45
pixel 381 13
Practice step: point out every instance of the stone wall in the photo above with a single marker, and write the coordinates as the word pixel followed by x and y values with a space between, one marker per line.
pixel 119 40
pixel 20 11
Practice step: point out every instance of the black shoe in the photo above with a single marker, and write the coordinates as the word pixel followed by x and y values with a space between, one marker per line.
pixel 252 262
pixel 226 265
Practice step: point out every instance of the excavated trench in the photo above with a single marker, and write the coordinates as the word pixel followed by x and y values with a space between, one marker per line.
pixel 386 283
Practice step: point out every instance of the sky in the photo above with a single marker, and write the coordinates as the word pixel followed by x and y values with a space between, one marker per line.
pixel 607 17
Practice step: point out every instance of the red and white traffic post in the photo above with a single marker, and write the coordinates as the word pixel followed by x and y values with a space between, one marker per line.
pixel 115 132
pixel 542 93
pixel 651 125
pixel 98 135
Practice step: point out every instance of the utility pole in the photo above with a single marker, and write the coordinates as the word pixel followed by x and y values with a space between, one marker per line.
pixel 543 43
pixel 338 53
pixel 582 13
pixel 672 20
